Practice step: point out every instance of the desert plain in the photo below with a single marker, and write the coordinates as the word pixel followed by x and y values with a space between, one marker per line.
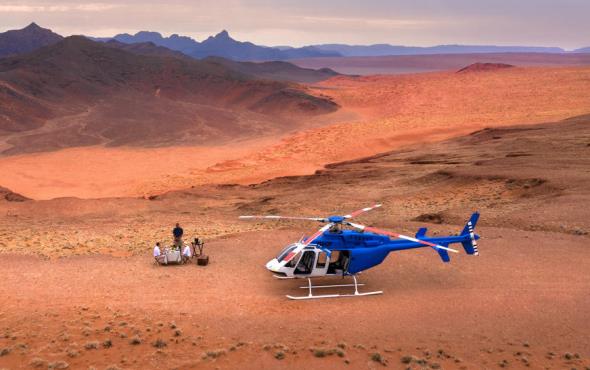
pixel 78 223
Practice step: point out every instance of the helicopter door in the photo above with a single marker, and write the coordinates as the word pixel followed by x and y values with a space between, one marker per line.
pixel 306 263
pixel 321 265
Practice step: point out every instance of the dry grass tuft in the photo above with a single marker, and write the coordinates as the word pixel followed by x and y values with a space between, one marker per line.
pixel 58 365
pixel 91 345
pixel 38 362
pixel 323 352
pixel 213 354
pixel 135 340
pixel 377 357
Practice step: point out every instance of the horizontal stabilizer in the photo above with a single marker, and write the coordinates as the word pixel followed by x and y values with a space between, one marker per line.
pixel 421 233
pixel 444 254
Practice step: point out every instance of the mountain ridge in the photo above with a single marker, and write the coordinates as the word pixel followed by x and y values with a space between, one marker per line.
pixel 30 38
pixel 219 45
pixel 388 49
pixel 26 39
pixel 78 92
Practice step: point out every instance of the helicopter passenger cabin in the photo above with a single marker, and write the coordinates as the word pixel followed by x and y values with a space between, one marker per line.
pixel 313 261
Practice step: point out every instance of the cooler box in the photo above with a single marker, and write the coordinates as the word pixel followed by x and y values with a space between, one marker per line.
pixel 203 260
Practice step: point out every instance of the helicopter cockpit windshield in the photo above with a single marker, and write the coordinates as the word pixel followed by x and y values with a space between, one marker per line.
pixel 285 252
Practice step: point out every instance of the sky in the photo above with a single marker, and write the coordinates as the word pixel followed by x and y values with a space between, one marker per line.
pixel 564 23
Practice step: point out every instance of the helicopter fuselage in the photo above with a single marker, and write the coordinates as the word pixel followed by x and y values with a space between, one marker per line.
pixel 348 252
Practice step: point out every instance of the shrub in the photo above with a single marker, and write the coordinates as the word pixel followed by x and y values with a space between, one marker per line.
pixel 38 362
pixel 378 358
pixel 407 359
pixel 91 345
pixel 135 340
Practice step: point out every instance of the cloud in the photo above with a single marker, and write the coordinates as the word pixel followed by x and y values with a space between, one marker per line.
pixel 90 7
pixel 302 22
pixel 377 22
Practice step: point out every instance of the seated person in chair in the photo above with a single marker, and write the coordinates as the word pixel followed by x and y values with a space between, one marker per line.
pixel 158 256
pixel 186 254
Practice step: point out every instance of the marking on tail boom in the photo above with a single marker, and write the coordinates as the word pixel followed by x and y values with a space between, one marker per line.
pixel 472 236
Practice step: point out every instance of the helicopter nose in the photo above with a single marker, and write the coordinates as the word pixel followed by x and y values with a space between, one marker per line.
pixel 273 265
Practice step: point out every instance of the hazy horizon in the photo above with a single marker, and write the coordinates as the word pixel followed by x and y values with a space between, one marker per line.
pixel 297 23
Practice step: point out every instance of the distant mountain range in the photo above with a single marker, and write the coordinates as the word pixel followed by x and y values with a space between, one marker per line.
pixel 34 37
pixel 385 49
pixel 221 45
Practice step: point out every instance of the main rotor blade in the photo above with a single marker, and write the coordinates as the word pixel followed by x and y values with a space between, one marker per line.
pixel 317 234
pixel 301 246
pixel 271 217
pixel 396 235
pixel 361 211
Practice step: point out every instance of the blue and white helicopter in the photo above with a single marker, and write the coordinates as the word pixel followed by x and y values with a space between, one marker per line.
pixel 335 251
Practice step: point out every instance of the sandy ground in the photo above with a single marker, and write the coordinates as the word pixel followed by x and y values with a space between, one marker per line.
pixel 99 172
pixel 379 113
pixel 522 301
pixel 79 285
pixel 80 290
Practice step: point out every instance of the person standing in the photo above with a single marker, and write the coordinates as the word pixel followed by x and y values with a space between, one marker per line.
pixel 177 232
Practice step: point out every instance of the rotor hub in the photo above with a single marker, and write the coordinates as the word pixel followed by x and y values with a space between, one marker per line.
pixel 336 219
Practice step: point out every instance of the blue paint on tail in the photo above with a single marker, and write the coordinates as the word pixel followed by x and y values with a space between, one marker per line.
pixel 470 242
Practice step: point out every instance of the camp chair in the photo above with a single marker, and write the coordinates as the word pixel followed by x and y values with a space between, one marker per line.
pixel 198 245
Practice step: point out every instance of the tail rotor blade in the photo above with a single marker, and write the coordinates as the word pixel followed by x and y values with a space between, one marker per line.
pixel 400 236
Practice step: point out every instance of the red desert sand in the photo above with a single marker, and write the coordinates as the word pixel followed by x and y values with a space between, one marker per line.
pixel 378 113
pixel 80 289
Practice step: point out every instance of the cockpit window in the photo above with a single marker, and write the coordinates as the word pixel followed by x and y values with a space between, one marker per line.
pixel 286 252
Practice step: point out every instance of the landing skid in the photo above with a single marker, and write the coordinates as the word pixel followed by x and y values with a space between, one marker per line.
pixel 310 288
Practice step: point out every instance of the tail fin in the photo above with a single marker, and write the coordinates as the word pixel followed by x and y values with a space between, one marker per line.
pixel 470 244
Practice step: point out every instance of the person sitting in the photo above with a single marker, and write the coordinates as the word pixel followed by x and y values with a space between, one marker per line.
pixel 177 232
pixel 158 256
pixel 186 254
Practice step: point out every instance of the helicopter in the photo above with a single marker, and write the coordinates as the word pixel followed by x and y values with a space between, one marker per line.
pixel 334 250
